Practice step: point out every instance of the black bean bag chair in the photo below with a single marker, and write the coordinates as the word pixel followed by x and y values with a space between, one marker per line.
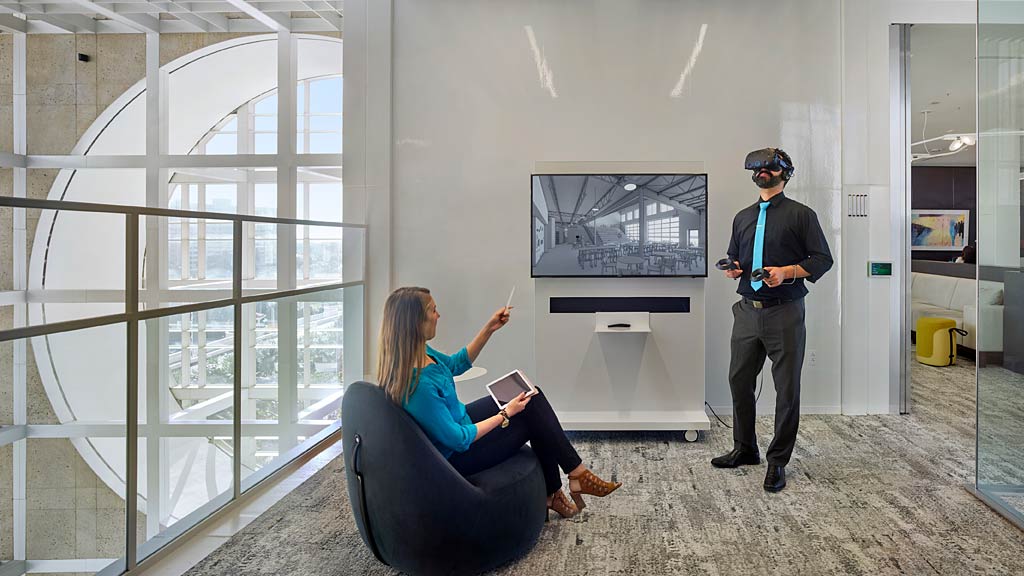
pixel 415 512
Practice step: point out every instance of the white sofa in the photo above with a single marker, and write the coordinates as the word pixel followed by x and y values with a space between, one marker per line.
pixel 948 297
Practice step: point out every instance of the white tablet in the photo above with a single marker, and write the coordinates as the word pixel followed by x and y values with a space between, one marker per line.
pixel 506 388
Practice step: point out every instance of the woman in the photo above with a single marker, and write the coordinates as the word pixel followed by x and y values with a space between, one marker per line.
pixel 477 436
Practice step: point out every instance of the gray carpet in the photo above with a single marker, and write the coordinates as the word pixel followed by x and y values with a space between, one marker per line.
pixel 867 495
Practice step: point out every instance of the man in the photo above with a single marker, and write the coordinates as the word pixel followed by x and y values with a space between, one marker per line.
pixel 782 237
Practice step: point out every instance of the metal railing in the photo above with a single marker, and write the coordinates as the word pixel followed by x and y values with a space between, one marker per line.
pixel 133 315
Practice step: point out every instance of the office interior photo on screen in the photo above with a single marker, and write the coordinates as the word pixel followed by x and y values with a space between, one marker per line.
pixel 619 225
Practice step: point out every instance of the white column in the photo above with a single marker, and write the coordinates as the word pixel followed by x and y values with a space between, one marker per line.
pixel 367 159
pixel 156 351
pixel 20 277
pixel 287 339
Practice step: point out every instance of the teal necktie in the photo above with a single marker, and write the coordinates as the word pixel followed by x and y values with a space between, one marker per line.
pixel 759 244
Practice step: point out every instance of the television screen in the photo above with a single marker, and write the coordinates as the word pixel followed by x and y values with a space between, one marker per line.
pixel 619 225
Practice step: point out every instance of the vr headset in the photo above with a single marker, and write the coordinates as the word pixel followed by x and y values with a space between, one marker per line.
pixel 768 159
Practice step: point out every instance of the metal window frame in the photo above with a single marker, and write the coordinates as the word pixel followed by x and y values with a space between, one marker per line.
pixel 156 162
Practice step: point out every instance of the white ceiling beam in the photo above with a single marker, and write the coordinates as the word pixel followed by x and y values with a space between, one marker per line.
pixel 195 22
pixel 275 22
pixel 19 9
pixel 74 23
pixel 48 24
pixel 311 25
pixel 140 22
pixel 11 23
pixel 114 27
pixel 218 21
pixel 324 12
pixel 9 7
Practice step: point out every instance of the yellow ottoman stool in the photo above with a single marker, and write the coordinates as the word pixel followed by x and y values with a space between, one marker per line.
pixel 935 344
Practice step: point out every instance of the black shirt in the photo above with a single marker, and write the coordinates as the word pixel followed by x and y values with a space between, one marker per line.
pixel 792 235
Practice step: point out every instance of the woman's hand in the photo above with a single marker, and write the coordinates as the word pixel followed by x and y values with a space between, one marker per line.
pixel 517 404
pixel 498 319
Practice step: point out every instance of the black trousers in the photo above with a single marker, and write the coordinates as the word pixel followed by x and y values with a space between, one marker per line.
pixel 537 424
pixel 779 333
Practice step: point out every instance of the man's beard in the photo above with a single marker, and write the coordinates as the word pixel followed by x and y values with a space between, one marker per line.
pixel 765 183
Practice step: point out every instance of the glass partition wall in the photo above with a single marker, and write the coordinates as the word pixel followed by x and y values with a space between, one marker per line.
pixel 1000 305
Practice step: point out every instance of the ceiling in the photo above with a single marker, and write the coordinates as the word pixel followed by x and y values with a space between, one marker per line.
pixel 576 198
pixel 143 16
pixel 942 80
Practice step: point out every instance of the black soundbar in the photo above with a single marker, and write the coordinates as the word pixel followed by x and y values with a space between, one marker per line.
pixel 590 305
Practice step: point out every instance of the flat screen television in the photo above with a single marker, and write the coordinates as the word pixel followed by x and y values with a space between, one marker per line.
pixel 619 225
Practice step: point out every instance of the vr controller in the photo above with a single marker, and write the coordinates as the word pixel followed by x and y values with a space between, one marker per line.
pixel 728 264
pixel 768 159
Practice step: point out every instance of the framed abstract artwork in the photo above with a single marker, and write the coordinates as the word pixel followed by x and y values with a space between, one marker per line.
pixel 939 229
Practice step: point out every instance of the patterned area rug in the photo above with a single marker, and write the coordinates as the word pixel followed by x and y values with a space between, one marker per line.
pixel 867 495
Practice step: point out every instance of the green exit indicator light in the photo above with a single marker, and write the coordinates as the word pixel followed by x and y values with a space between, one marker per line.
pixel 879 269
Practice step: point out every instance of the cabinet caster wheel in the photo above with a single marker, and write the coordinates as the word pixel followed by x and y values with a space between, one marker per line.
pixel 691 435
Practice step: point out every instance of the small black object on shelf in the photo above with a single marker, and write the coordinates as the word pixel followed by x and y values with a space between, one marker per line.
pixel 620 325
pixel 83 57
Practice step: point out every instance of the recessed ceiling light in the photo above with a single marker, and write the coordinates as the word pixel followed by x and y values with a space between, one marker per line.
pixel 630 187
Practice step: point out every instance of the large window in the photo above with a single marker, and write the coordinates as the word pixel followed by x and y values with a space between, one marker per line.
pixel 277 368
pixel 694 238
pixel 198 249
pixel 663 230
pixel 633 232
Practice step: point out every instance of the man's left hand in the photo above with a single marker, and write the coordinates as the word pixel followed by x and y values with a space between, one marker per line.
pixel 776 275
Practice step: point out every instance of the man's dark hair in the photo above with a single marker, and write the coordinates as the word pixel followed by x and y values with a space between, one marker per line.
pixel 786 174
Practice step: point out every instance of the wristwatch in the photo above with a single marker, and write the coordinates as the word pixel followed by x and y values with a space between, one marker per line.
pixel 504 423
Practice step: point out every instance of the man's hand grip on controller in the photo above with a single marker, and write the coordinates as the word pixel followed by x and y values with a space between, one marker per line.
pixel 731 268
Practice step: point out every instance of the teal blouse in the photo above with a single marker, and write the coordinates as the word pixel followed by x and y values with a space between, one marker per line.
pixel 435 406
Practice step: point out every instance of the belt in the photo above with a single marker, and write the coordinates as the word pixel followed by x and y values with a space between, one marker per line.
pixel 766 303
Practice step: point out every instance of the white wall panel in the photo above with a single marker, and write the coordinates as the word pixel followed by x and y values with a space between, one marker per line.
pixel 483 91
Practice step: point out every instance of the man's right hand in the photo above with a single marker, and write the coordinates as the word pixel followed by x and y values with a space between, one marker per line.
pixel 736 273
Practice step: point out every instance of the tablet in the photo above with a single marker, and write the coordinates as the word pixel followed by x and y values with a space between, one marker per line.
pixel 506 388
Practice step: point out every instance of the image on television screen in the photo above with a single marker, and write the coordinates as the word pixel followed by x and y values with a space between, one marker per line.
pixel 619 225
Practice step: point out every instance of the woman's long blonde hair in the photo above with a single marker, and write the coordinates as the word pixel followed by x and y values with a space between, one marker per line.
pixel 402 341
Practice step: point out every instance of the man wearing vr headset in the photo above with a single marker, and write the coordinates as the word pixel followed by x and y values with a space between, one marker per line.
pixel 776 243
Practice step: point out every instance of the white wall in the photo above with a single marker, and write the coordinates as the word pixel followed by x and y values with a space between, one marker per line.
pixel 603 74
pixel 483 106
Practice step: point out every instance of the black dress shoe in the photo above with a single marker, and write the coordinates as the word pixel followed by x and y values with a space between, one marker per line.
pixel 736 458
pixel 775 479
